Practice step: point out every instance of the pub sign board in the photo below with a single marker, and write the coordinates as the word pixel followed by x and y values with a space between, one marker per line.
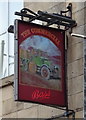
pixel 39 64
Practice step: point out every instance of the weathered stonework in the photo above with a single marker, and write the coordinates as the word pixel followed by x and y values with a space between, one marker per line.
pixel 75 71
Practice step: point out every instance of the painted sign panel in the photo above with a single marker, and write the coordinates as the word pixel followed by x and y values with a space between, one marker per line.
pixel 40 75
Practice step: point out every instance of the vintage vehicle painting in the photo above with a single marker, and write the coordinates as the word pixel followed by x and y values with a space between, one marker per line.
pixel 41 66
pixel 40 56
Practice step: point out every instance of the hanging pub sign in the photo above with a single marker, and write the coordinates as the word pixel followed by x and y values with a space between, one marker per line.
pixel 39 64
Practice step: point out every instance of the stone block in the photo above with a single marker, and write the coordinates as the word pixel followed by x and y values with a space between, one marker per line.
pixel 29 105
pixel 48 112
pixel 79 30
pixel 74 40
pixel 75 85
pixel 19 105
pixel 44 111
pixel 7 92
pixel 79 17
pixel 10 106
pixel 76 101
pixel 56 112
pixel 28 113
pixel 75 52
pixel 79 114
pixel 6 81
pixel 75 68
pixel 35 6
pixel 57 7
pixel 11 115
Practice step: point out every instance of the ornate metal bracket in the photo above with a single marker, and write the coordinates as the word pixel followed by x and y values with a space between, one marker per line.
pixel 65 21
pixel 49 18
pixel 69 9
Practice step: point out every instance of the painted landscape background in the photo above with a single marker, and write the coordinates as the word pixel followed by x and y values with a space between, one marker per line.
pixel 40 63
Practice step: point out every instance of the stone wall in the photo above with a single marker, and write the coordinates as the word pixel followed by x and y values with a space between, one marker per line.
pixel 75 72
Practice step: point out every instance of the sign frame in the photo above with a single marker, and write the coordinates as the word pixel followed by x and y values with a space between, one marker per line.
pixel 16 70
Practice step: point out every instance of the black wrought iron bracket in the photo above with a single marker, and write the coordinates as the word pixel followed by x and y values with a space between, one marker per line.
pixel 50 18
pixel 63 20
pixel 66 114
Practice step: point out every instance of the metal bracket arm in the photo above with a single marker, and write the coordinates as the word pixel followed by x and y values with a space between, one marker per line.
pixel 50 18
pixel 65 114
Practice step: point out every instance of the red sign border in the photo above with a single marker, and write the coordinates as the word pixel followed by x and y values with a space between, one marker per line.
pixel 17 81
